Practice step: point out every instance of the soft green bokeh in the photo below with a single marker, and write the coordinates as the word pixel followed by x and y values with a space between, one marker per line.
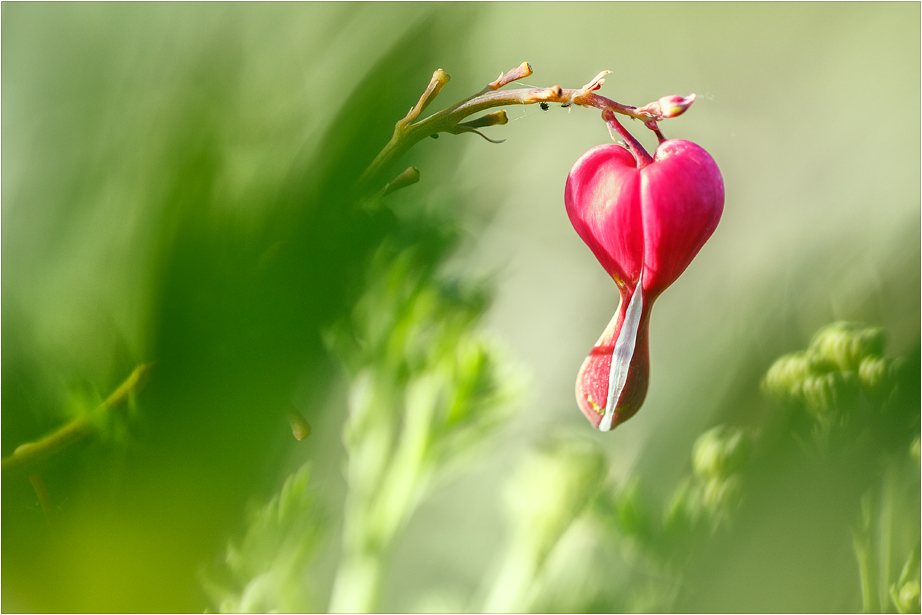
pixel 176 188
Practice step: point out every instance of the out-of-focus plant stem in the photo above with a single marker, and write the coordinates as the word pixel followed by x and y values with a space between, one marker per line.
pixel 27 458
pixel 873 544
pixel 864 553
pixel 385 484
pixel 510 591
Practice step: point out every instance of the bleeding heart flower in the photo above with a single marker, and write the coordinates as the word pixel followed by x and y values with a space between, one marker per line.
pixel 645 222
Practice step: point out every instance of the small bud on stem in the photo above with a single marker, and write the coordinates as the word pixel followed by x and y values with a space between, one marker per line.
pixel 300 428
pixel 410 130
pixel 519 72
pixel 438 81
pixel 596 82
pixel 668 106
pixel 409 177
pixel 497 118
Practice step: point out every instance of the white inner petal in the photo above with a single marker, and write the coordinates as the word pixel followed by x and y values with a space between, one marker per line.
pixel 622 354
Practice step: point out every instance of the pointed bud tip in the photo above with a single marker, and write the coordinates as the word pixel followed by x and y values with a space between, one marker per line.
pixel 596 82
pixel 300 427
pixel 674 106
pixel 519 72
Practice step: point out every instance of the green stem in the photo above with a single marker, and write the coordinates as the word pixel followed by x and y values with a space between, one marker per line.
pixel 28 457
pixel 864 553
pixel 510 591
pixel 379 503
pixel 407 133
pixel 885 546
pixel 357 584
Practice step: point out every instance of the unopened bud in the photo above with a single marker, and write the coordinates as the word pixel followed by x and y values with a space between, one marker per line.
pixel 519 72
pixel 906 598
pixel 596 82
pixel 668 107
pixel 497 118
pixel 674 106
pixel 842 345
pixel 874 373
pixel 409 177
pixel 719 452
pixel 300 428
pixel 438 81
pixel 825 393
pixel 820 393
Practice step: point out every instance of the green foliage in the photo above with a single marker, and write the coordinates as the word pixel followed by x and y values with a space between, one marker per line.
pixel 546 494
pixel 843 360
pixel 618 554
pixel 264 573
pixel 427 390
pixel 179 188
pixel 857 401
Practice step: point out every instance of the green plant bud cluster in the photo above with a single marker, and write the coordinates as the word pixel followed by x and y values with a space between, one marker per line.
pixel 843 360
pixel 841 346
pixel 715 488
pixel 719 452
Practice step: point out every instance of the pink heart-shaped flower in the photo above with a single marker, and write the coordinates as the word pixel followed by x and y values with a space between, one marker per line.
pixel 645 224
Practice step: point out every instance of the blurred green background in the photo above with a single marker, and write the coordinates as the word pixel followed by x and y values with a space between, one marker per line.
pixel 177 189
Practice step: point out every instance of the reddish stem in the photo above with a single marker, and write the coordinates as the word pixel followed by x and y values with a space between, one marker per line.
pixel 652 125
pixel 643 158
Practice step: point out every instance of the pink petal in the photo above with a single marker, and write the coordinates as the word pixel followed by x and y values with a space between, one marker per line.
pixel 602 197
pixel 682 194
pixel 592 382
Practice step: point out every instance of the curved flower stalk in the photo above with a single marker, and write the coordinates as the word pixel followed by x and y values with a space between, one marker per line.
pixel 644 218
pixel 411 129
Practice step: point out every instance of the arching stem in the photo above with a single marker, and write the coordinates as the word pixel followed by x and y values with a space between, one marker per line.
pixel 652 125
pixel 643 158
pixel 411 130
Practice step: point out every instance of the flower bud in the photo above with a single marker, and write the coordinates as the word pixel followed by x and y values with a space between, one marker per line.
pixel 820 393
pixel 300 427
pixel 784 379
pixel 842 345
pixel 719 452
pixel 596 82
pixel 496 118
pixel 674 106
pixel 906 598
pixel 826 393
pixel 519 72
pixel 668 107
pixel 875 375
